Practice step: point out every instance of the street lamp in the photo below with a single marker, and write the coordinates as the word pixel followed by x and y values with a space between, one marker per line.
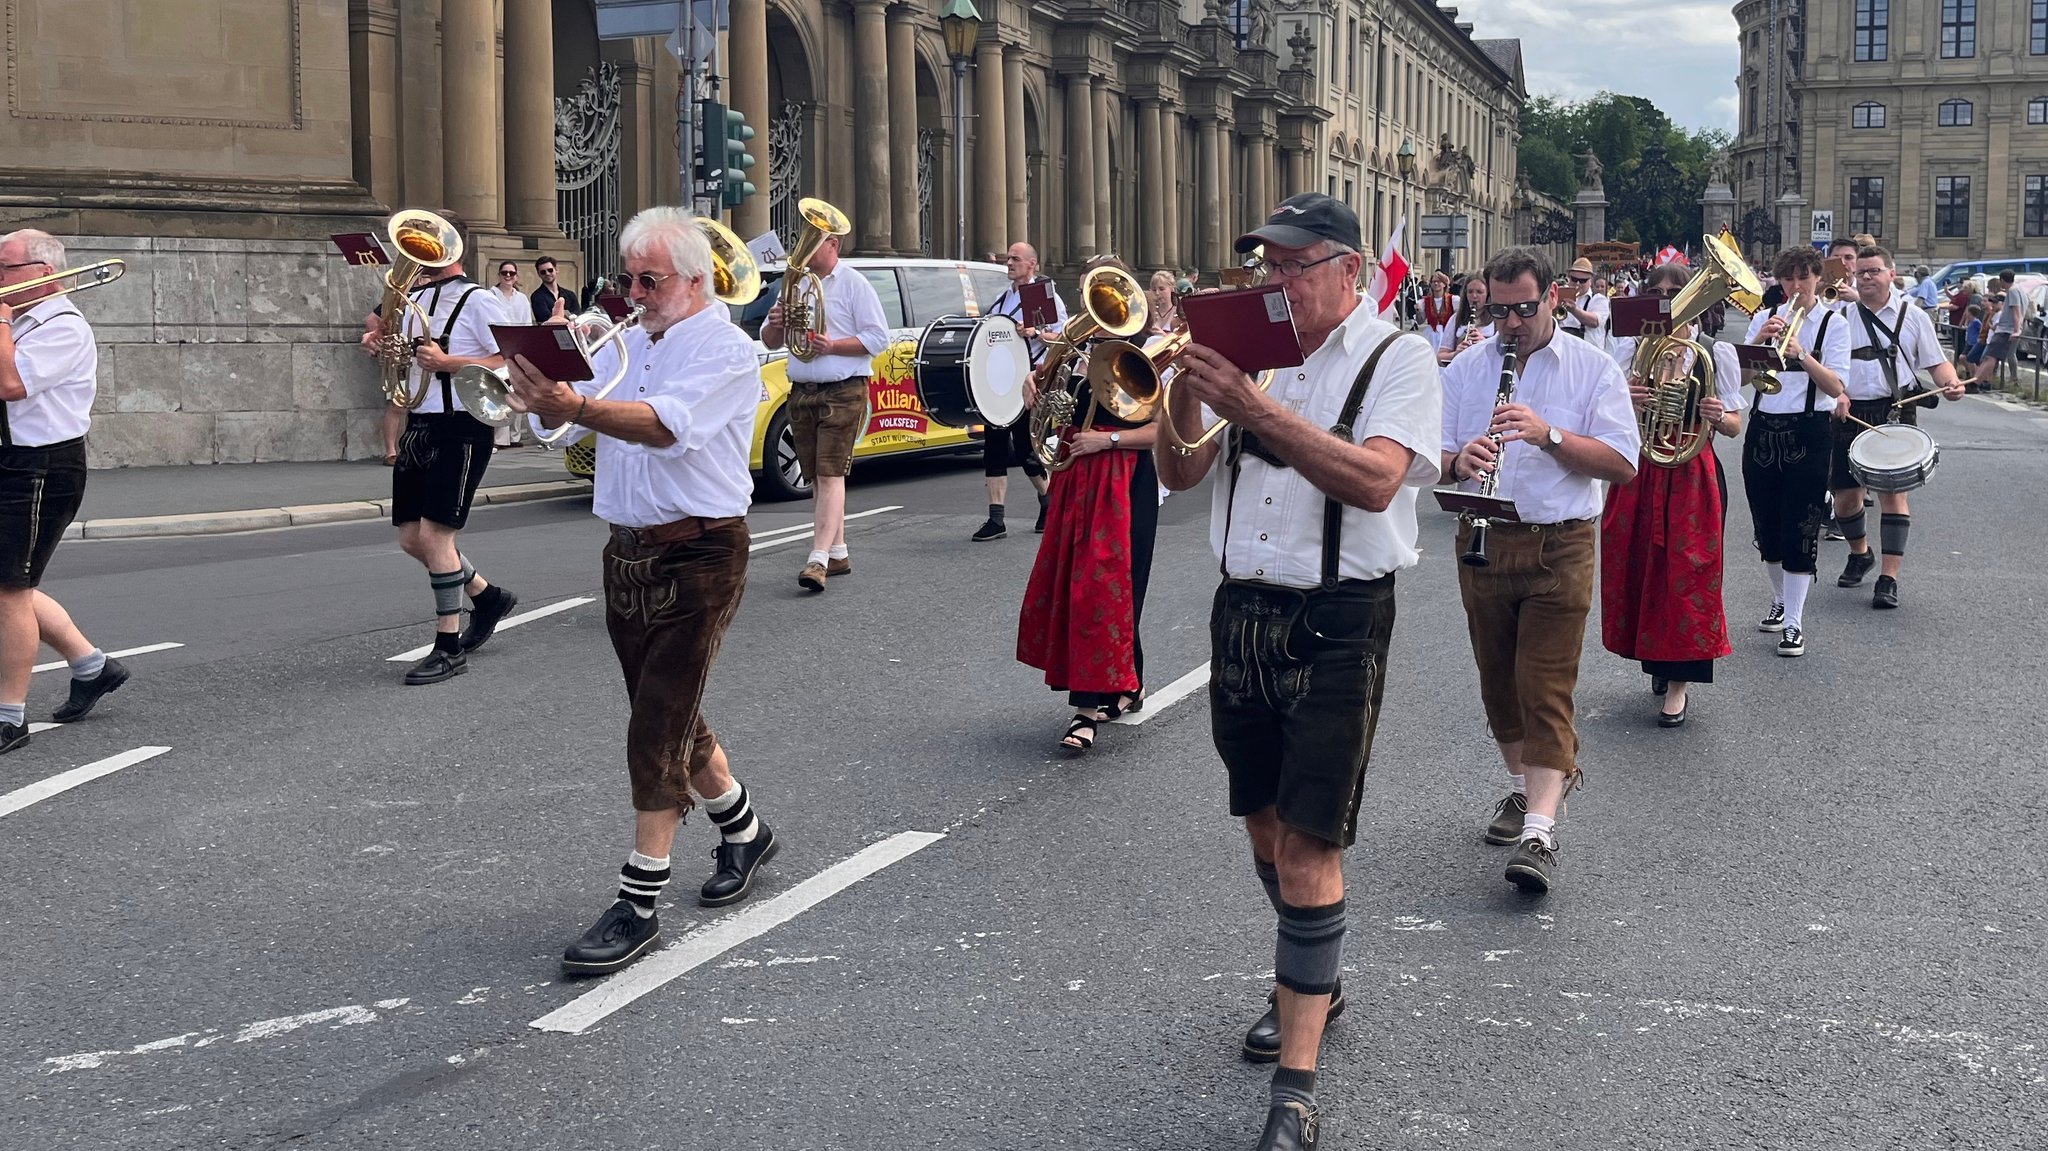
pixel 1405 158
pixel 960 23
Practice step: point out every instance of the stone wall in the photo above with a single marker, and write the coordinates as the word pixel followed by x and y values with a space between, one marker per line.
pixel 230 351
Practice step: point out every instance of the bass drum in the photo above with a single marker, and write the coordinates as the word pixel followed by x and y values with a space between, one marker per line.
pixel 971 371
pixel 1893 458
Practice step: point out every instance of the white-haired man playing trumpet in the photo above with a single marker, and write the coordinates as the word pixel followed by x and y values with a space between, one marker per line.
pixel 673 482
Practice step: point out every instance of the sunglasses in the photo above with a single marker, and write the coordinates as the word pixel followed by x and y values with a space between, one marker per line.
pixel 1582 279
pixel 508 273
pixel 1527 309
pixel 648 281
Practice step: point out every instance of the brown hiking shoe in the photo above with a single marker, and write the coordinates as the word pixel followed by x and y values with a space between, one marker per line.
pixel 1506 827
pixel 812 577
pixel 839 566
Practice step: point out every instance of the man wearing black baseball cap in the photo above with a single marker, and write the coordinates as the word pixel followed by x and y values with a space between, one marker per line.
pixel 1311 527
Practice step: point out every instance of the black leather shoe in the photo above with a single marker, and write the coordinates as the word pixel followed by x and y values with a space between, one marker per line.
pixel 1886 594
pixel 1262 1042
pixel 1659 685
pixel 87 692
pixel 1859 565
pixel 1043 503
pixel 438 665
pixel 484 620
pixel 989 530
pixel 1674 718
pixel 1290 1126
pixel 12 735
pixel 619 936
pixel 737 863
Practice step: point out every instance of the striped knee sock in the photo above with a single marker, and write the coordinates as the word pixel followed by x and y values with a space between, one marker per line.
pixel 641 881
pixel 1891 531
pixel 734 815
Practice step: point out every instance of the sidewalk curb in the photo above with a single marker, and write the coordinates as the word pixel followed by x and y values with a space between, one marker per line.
pixel 299 515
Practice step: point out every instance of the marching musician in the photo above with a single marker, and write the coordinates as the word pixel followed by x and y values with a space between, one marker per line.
pixel 442 456
pixel 1085 600
pixel 1660 537
pixel 1586 310
pixel 1471 325
pixel 1567 434
pixel 1785 454
pixel 1310 528
pixel 828 399
pixel 1889 342
pixel 49 373
pixel 673 483
pixel 1439 310
pixel 1002 447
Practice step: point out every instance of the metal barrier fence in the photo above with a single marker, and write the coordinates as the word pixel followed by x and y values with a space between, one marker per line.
pixel 2020 372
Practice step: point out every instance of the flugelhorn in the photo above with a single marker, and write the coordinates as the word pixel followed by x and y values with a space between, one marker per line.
pixel 1113 304
pixel 803 303
pixel 423 241
pixel 1162 354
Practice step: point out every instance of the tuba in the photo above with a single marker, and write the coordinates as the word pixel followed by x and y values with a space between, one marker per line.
pixel 423 240
pixel 1113 304
pixel 1673 429
pixel 803 306
pixel 735 280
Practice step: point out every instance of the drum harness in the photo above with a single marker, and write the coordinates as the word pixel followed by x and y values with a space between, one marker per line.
pixel 1887 356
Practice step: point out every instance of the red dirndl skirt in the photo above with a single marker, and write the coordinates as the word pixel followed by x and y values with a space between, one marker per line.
pixel 1079 615
pixel 1660 564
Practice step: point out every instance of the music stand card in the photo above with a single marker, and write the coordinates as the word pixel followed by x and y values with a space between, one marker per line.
pixel 549 348
pixel 1252 327
pixel 1473 504
pixel 360 248
pixel 1633 313
pixel 1759 358
pixel 767 249
pixel 1035 308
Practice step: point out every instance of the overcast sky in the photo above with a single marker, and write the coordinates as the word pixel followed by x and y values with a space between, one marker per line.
pixel 1680 54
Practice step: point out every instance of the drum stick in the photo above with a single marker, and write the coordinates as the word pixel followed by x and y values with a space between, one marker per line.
pixel 1872 427
pixel 1915 399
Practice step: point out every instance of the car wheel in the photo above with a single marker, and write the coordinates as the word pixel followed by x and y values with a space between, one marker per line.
pixel 781 478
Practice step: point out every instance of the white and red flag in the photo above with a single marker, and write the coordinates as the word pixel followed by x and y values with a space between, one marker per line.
pixel 1391 273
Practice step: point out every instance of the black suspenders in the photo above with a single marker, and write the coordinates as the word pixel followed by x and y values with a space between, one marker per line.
pixel 448 329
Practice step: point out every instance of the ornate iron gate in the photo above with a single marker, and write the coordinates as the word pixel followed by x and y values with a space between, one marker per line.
pixel 786 168
pixel 927 175
pixel 587 136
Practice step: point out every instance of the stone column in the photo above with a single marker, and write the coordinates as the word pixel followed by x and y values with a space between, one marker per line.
pixel 873 226
pixel 374 97
pixel 1081 245
pixel 469 113
pixel 1795 219
pixel 1105 178
pixel 1152 201
pixel 1209 196
pixel 902 129
pixel 1228 210
pixel 991 153
pixel 1717 208
pixel 1019 219
pixel 1257 191
pixel 419 108
pixel 1170 185
pixel 1590 209
pixel 530 115
pixel 748 86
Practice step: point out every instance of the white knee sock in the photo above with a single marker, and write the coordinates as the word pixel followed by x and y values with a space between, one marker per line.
pixel 1796 586
pixel 819 558
pixel 1777 574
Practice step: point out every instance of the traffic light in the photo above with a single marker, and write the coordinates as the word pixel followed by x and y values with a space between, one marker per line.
pixel 736 132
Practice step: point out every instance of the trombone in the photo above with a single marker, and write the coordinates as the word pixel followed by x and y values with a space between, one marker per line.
pixel 98 274
pixel 803 306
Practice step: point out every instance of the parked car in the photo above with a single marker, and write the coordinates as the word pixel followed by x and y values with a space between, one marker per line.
pixel 1949 276
pixel 914 292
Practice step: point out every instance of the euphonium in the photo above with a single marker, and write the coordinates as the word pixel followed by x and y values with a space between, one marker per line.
pixel 423 240
pixel 1673 429
pixel 1112 304
pixel 803 302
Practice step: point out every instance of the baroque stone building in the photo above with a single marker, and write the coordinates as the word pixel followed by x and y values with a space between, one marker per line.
pixel 215 145
pixel 1924 124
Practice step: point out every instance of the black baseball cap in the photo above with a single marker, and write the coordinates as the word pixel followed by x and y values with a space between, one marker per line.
pixel 1303 219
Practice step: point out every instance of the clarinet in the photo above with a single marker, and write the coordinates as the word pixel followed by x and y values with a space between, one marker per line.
pixel 1475 552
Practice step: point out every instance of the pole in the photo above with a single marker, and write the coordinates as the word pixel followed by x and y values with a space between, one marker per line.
pixel 959 157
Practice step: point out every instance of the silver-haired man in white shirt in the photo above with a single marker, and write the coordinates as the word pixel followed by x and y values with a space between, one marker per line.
pixel 673 483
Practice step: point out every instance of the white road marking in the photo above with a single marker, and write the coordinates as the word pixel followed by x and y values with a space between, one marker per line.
pixel 41 726
pixel 1166 697
pixel 115 655
pixel 715 939
pixel 62 782
pixel 509 621
pixel 798 532
pixel 335 1017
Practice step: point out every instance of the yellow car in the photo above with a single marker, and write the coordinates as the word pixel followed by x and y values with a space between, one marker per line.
pixel 913 294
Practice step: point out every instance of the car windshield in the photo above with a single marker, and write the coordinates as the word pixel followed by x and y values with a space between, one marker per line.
pixel 750 316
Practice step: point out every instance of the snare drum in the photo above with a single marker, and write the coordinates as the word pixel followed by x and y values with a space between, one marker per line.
pixel 971 371
pixel 1893 458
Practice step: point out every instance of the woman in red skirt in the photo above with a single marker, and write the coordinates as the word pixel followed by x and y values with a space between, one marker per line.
pixel 1660 538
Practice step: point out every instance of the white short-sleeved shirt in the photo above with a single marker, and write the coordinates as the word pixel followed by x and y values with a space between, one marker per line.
pixel 1275 520
pixel 472 334
pixel 851 309
pixel 1599 306
pixel 703 379
pixel 1832 350
pixel 1573 386
pixel 59 365
pixel 1919 348
pixel 514 310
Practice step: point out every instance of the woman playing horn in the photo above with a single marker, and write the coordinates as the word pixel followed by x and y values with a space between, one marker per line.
pixel 1660 537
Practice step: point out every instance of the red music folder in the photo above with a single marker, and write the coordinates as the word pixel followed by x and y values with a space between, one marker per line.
pixel 1759 358
pixel 360 248
pixel 1252 327
pixel 1632 312
pixel 548 347
pixel 1035 308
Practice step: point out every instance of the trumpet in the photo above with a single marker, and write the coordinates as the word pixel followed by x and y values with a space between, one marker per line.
pixel 1833 273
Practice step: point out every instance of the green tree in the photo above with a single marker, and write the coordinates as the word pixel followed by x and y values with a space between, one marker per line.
pixel 1654 171
pixel 1549 169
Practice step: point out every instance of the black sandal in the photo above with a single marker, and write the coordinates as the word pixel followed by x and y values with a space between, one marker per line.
pixel 1080 742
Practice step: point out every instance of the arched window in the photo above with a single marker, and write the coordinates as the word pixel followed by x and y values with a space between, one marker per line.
pixel 1749 170
pixel 2037 110
pixel 1955 114
pixel 1868 114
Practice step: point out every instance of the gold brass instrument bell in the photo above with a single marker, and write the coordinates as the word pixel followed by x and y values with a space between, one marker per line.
pixel 803 300
pixel 422 240
pixel 1672 427
pixel 1113 304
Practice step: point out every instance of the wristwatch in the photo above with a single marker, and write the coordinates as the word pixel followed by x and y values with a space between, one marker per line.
pixel 1553 441
pixel 1115 438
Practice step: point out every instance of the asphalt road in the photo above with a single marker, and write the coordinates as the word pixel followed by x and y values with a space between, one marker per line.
pixel 330 913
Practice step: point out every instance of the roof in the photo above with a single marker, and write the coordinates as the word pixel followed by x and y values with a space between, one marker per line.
pixel 1507 56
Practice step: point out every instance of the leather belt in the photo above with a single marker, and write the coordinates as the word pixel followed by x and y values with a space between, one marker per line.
pixel 821 385
pixel 678 531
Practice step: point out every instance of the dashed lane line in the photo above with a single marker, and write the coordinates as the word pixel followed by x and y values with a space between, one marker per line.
pixel 1167 696
pixel 715 939
pixel 116 654
pixel 509 621
pixel 62 782
pixel 798 532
